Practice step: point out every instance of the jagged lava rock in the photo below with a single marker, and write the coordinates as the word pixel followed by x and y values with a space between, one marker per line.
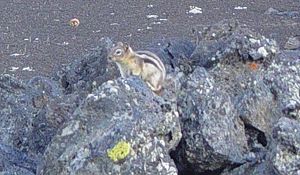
pixel 228 38
pixel 174 53
pixel 87 72
pixel 283 78
pixel 120 114
pixel 23 134
pixel 286 147
pixel 213 134
pixel 293 43
pixel 229 103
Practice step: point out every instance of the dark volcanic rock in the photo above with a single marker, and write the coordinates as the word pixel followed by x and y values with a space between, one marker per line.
pixel 293 43
pixel 228 111
pixel 14 161
pixel 213 134
pixel 16 111
pixel 175 53
pixel 123 110
pixel 283 78
pixel 286 147
pixel 52 110
pixel 88 72
pixel 31 113
pixel 16 114
pixel 228 38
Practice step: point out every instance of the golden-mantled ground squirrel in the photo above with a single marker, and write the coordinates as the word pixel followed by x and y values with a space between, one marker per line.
pixel 144 64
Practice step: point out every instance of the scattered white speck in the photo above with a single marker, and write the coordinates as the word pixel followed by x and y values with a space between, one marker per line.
pixel 150 6
pixel 262 51
pixel 152 16
pixel 95 97
pixel 166 165
pixel 149 28
pixel 156 22
pixel 36 39
pixel 127 87
pixel 159 167
pixel 16 54
pixel 63 43
pixel 26 39
pixel 114 24
pixel 163 19
pixel 57 20
pixel 207 91
pixel 110 82
pixel 273 49
pixel 135 102
pixel 112 13
pixel 14 69
pixel 240 8
pixel 30 69
pixel 195 10
pixel 139 30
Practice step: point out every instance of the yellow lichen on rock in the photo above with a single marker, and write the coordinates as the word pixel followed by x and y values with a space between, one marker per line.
pixel 119 152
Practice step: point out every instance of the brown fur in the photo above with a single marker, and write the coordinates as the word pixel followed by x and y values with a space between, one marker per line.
pixel 144 64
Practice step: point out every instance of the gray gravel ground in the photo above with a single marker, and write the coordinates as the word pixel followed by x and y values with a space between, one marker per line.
pixel 35 37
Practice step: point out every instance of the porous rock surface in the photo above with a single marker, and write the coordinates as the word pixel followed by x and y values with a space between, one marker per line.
pixel 230 105
pixel 121 110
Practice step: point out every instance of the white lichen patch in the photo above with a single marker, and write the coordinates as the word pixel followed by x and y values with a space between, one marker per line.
pixel 253 41
pixel 262 51
pixel 127 87
pixel 95 97
pixel 273 49
pixel 135 102
pixel 110 82
pixel 122 116
pixel 114 90
pixel 70 129
pixel 80 158
pixel 12 69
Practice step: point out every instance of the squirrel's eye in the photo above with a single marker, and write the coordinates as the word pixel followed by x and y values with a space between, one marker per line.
pixel 118 52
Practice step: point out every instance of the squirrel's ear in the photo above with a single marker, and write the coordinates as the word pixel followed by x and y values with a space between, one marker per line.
pixel 119 44
pixel 126 46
